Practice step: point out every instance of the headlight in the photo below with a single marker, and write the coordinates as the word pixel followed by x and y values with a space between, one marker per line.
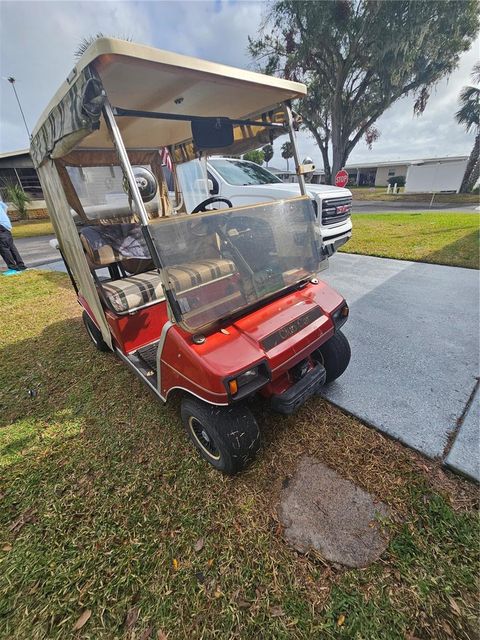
pixel 249 381
pixel 247 377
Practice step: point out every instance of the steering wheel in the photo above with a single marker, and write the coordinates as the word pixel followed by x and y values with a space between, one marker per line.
pixel 201 207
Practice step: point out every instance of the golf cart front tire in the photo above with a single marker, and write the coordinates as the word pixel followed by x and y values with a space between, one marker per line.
pixel 334 355
pixel 94 333
pixel 227 437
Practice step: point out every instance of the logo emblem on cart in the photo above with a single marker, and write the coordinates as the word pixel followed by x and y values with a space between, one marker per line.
pixel 291 329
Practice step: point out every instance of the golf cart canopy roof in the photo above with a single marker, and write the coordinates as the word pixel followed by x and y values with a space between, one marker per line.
pixel 137 78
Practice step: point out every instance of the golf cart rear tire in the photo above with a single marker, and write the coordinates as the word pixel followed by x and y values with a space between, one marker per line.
pixel 94 333
pixel 335 356
pixel 232 434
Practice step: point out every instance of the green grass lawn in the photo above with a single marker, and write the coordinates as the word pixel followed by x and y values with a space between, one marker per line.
pixel 440 238
pixel 104 502
pixel 31 228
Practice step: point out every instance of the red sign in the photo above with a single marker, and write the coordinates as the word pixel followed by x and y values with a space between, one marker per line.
pixel 341 178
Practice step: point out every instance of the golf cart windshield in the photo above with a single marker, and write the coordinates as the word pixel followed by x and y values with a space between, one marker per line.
pixel 218 263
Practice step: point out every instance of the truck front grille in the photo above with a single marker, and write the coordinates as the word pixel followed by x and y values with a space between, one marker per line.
pixel 336 210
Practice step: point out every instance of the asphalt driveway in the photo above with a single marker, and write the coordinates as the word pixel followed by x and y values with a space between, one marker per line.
pixel 415 350
pixel 35 251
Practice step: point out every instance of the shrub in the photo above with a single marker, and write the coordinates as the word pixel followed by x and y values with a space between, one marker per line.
pixel 14 194
pixel 399 180
pixel 257 156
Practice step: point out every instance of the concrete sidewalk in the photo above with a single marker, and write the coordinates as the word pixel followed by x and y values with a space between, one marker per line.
pixel 413 329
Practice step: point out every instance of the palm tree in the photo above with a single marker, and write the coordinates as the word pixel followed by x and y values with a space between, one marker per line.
pixel 267 153
pixel 287 151
pixel 14 193
pixel 86 42
pixel 469 116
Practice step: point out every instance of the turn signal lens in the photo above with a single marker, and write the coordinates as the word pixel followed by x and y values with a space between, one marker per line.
pixel 233 386
pixel 345 311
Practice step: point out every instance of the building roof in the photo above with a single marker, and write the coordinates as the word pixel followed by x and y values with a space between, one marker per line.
pixel 11 154
pixel 396 163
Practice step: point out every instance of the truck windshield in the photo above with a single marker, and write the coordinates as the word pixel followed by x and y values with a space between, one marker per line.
pixel 220 262
pixel 239 172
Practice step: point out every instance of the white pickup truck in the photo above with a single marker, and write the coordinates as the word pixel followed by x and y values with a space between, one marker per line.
pixel 245 183
pixel 240 181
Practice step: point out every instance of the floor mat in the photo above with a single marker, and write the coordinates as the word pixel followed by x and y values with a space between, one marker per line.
pixel 149 355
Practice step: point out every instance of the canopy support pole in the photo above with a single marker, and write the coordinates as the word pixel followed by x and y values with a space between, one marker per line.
pixel 124 161
pixel 293 140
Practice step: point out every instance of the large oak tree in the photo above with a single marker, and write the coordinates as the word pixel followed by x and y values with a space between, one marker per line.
pixel 358 57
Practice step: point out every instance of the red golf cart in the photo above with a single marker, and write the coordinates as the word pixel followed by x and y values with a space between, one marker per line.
pixel 197 297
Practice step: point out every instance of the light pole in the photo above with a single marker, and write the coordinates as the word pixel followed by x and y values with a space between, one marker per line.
pixel 11 79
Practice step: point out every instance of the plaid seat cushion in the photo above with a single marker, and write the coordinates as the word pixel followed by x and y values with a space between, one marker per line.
pixel 136 291
pixel 193 274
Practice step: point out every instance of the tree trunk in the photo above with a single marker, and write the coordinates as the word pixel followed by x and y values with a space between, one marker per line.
pixel 337 151
pixel 471 170
pixel 323 146
pixel 474 176
pixel 340 157
pixel 337 118
pixel 326 164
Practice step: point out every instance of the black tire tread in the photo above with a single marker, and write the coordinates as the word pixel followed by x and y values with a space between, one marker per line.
pixel 99 343
pixel 233 428
pixel 336 355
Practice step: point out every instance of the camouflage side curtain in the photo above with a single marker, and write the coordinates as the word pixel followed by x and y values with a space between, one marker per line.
pixel 74 117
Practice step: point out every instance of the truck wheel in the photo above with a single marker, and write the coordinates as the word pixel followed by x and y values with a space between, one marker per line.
pixel 334 355
pixel 94 333
pixel 227 437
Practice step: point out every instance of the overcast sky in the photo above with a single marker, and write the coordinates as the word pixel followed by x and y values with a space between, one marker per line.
pixel 38 40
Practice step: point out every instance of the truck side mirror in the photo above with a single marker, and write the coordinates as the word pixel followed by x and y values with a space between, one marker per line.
pixel 210 187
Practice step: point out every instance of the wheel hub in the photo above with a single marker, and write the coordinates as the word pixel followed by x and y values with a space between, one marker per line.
pixel 203 439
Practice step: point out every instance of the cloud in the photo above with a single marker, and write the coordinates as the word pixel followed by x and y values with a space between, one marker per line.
pixel 38 39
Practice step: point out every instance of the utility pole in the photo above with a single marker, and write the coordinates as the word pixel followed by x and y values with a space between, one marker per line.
pixel 11 79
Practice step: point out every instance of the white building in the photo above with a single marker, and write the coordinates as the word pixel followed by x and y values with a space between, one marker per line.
pixel 377 173
pixel 436 175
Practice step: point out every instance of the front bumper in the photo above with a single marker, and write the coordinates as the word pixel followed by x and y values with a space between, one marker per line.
pixel 293 398
pixel 333 244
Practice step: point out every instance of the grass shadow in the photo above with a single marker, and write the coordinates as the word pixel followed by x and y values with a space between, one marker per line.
pixel 461 253
pixel 56 277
